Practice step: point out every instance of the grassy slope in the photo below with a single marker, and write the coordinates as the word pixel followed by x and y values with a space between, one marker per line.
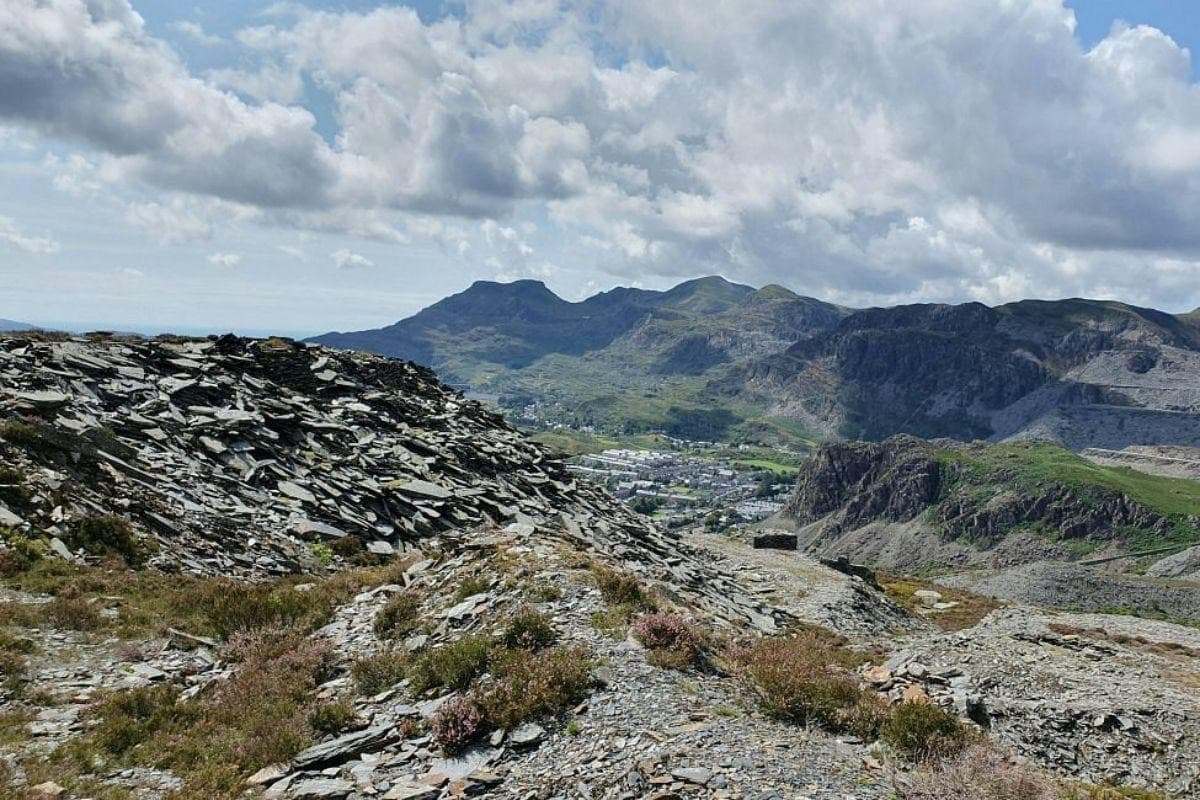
pixel 1035 464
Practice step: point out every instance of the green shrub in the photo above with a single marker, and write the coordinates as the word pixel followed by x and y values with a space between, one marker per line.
pixel 806 679
pixel 530 685
pixel 331 718
pixel 471 586
pixel 924 731
pixel 399 616
pixel 619 589
pixel 321 552
pixel 452 666
pixel 13 492
pixel 372 674
pixel 109 535
pixel 529 629
pixel 125 720
pixel 20 553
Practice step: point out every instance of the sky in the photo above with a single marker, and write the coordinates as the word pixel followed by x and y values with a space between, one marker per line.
pixel 293 168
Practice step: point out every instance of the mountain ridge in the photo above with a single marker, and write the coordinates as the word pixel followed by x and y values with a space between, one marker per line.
pixel 711 359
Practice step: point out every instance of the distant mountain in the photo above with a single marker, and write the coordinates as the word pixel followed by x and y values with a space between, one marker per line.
pixel 10 325
pixel 1082 372
pixel 629 358
pixel 714 359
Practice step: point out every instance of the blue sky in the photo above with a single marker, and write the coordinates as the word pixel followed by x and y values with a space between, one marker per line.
pixel 1180 19
pixel 303 167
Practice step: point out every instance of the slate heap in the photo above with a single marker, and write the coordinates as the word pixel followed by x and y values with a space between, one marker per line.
pixel 237 454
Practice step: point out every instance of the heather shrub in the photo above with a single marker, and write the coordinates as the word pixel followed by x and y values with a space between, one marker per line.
pixel 399 616
pixel 529 629
pixel 673 641
pixel 806 679
pixel 347 546
pixel 372 674
pixel 455 723
pixel 924 731
pixel 331 718
pixel 109 535
pixel 452 666
pixel 619 589
pixel 529 685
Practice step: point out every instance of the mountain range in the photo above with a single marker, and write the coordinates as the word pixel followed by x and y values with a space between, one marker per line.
pixel 712 359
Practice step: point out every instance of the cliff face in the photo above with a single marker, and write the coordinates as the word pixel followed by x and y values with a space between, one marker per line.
pixel 964 503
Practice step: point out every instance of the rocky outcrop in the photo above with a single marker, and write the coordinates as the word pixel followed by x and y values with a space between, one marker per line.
pixel 864 481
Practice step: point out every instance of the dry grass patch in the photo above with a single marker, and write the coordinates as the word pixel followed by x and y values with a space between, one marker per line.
pixel 984 772
pixel 1141 643
pixel 970 610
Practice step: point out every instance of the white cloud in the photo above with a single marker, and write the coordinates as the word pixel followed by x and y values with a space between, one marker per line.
pixel 225 259
pixel 12 235
pixel 196 32
pixel 866 152
pixel 293 251
pixel 176 220
pixel 345 259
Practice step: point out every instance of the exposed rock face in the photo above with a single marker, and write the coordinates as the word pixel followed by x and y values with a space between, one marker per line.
pixel 1084 373
pixel 952 498
pixel 895 480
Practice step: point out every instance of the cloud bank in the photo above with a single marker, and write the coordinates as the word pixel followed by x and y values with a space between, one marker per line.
pixel 865 152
